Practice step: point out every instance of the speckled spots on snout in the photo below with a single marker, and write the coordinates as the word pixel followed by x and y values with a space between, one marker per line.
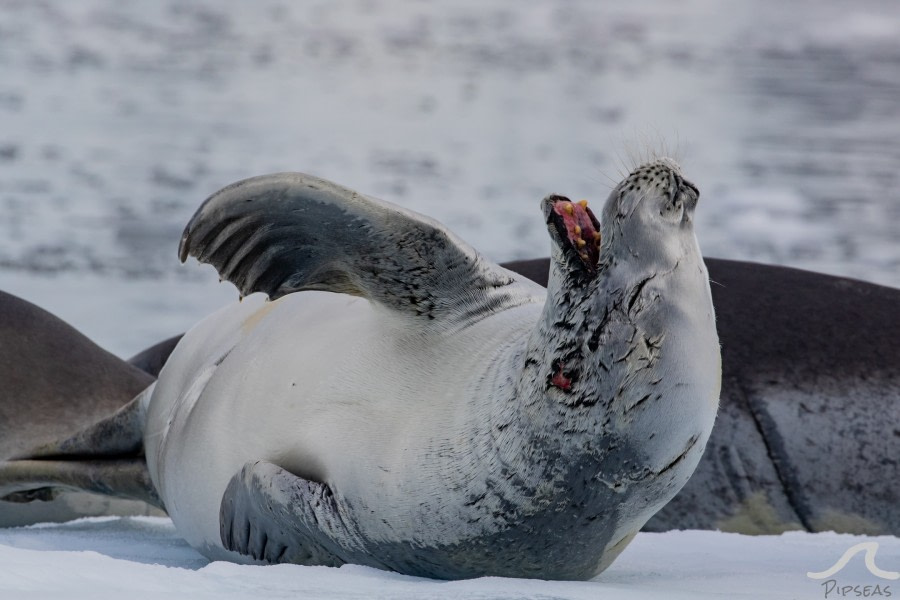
pixel 663 176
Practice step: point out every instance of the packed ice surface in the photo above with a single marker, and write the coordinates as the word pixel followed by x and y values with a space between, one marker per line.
pixel 143 557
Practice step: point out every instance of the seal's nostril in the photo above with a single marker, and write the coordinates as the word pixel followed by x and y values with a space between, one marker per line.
pixel 692 187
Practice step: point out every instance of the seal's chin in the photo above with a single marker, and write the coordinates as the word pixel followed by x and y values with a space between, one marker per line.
pixel 579 230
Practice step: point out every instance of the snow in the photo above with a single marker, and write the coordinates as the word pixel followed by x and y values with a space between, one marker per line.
pixel 143 557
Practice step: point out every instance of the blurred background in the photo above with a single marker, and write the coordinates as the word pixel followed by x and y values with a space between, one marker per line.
pixel 117 118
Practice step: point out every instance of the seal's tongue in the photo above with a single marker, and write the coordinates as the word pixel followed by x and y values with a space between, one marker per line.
pixel 581 228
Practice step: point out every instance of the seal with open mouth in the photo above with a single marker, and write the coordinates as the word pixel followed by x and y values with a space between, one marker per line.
pixel 443 417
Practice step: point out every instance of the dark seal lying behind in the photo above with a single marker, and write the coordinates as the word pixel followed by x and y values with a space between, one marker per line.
pixel 53 382
pixel 808 431
pixel 807 436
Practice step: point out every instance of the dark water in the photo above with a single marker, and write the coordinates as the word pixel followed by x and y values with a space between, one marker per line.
pixel 117 119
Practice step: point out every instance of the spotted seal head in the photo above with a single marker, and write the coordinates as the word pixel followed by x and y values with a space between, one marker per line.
pixel 440 416
pixel 624 360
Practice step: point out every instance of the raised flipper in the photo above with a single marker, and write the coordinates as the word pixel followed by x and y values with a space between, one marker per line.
pixel 288 232
pixel 272 515
pixel 105 458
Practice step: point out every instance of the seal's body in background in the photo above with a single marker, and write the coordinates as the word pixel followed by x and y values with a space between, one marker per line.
pixel 54 382
pixel 807 433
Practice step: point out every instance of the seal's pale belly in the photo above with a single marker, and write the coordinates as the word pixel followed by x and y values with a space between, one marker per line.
pixel 341 391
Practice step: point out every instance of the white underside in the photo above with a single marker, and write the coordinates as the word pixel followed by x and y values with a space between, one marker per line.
pixel 322 384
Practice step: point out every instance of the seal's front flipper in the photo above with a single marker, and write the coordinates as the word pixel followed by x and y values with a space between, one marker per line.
pixel 269 514
pixel 288 232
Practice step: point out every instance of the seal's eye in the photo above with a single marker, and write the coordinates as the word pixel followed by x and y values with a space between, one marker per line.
pixel 691 188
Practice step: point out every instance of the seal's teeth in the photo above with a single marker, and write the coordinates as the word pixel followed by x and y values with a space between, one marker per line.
pixel 583 203
pixel 581 243
pixel 597 236
pixel 577 230
pixel 569 208
pixel 584 256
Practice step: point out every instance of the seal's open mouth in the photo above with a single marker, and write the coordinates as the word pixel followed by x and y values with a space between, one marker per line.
pixel 578 229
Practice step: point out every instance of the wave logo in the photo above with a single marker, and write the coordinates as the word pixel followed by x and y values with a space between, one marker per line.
pixel 870 548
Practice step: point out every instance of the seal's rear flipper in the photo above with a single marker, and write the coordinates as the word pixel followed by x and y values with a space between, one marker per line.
pixel 269 514
pixel 105 458
pixel 287 232
pixel 29 480
pixel 119 435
